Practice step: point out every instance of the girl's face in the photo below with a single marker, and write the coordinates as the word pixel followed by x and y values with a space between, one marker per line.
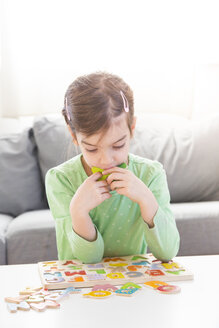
pixel 109 149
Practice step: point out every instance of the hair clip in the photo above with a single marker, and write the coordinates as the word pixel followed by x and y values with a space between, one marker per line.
pixel 125 102
pixel 67 109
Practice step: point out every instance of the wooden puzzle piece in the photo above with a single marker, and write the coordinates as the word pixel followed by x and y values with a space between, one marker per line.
pixel 115 275
pixel 145 263
pixel 126 292
pixel 49 263
pixel 75 279
pixel 74 267
pixel 170 265
pixel 113 259
pixel 57 273
pixel 95 169
pixel 116 269
pixel 70 262
pixel 72 290
pixel 168 289
pixel 56 295
pixel 30 290
pixel 137 257
pixel 155 266
pixel 107 287
pixel 99 271
pixel 13 307
pixel 68 273
pixel 95 266
pixel 134 274
pixel 59 294
pixel 52 296
pixel 134 267
pixel 38 298
pixel 41 292
pixel 154 284
pixel 55 280
pixel 130 285
pixel 98 294
pixel 69 290
pixel 43 306
pixel 55 277
pixel 24 306
pixel 94 276
pixel 41 295
pixel 16 300
pixel 155 273
pixel 118 264
pixel 177 272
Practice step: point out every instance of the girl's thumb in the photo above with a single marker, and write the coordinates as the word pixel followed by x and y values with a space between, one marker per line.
pixel 96 175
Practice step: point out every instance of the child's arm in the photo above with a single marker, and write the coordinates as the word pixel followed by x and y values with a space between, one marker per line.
pixel 70 245
pixel 82 224
pixel 149 206
pixel 89 195
pixel 150 192
pixel 161 234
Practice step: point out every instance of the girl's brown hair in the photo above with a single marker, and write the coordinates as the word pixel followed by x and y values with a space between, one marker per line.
pixel 93 100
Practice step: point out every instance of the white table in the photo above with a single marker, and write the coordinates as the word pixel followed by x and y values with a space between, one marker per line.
pixel 196 306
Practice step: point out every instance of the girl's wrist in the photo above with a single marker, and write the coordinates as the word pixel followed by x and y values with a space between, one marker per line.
pixel 148 206
pixel 145 195
pixel 76 208
pixel 84 227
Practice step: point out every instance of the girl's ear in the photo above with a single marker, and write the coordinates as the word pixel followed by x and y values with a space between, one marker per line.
pixel 73 136
pixel 133 126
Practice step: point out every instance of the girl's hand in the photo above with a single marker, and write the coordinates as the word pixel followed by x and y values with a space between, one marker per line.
pixel 90 194
pixel 126 183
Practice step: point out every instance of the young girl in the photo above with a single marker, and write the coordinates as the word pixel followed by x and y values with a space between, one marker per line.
pixel 127 211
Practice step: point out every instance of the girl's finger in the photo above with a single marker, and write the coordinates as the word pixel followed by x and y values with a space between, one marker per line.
pixel 106 196
pixel 114 169
pixel 117 184
pixel 104 189
pixel 95 176
pixel 101 183
pixel 115 176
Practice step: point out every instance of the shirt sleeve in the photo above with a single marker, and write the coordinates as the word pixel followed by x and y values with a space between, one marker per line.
pixel 163 239
pixel 70 245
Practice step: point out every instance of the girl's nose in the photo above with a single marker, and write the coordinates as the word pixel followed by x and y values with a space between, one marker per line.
pixel 106 160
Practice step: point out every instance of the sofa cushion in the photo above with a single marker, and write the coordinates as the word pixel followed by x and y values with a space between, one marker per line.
pixel 198 225
pixel 4 223
pixel 21 187
pixel 188 151
pixel 53 141
pixel 31 238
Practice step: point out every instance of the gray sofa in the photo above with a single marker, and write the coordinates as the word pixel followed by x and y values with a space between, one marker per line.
pixel 188 150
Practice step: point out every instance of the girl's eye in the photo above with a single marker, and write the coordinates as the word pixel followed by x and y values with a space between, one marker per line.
pixel 115 147
pixel 91 151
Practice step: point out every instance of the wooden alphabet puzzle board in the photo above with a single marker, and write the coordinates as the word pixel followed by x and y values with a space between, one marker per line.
pixel 113 270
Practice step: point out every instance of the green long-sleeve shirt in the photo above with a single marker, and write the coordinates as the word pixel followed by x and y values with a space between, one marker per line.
pixel 120 227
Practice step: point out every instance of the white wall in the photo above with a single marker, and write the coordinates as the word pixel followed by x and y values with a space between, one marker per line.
pixel 206 92
pixel 158 47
